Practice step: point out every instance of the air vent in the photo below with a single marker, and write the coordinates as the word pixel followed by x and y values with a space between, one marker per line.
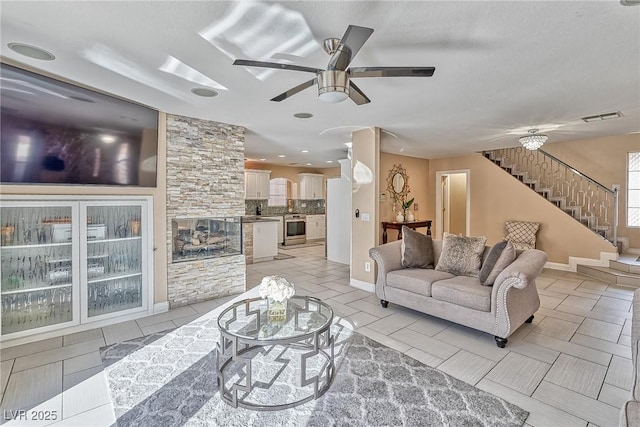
pixel 606 116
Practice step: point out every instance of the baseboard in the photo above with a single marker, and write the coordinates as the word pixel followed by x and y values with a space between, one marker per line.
pixel 161 307
pixel 634 251
pixel 605 257
pixel 365 286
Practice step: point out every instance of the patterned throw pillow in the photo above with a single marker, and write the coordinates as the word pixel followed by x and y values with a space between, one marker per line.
pixel 499 257
pixel 417 249
pixel 522 232
pixel 461 255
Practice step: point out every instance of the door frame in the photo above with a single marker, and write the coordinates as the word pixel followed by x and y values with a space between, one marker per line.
pixel 439 174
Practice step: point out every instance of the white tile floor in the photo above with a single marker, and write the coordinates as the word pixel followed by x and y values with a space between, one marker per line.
pixel 571 366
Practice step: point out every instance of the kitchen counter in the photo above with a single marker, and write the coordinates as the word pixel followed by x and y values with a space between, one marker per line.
pixel 257 218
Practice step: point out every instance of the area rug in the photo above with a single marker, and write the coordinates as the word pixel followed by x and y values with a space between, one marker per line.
pixel 300 246
pixel 169 379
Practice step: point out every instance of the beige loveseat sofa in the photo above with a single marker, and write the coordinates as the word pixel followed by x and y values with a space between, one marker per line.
pixel 498 310
pixel 631 410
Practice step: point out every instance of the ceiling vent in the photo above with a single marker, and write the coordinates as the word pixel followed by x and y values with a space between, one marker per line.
pixel 606 116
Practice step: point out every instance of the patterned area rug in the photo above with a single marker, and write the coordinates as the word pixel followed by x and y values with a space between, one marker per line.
pixel 169 379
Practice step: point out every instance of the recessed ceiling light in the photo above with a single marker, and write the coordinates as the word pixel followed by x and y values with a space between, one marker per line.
pixel 108 139
pixel 304 151
pixel 31 51
pixel 203 91
pixel 262 160
pixel 303 115
pixel 308 164
pixel 281 155
pixel 329 161
pixel 630 2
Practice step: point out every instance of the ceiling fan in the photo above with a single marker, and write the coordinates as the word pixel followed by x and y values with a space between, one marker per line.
pixel 334 83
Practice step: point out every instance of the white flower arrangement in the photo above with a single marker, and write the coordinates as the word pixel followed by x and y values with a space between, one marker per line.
pixel 277 288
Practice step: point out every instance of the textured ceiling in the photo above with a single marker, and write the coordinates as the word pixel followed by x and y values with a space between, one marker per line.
pixel 501 67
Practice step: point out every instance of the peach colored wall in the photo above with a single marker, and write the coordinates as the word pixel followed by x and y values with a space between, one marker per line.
pixel 604 160
pixel 291 172
pixel 458 203
pixel 418 172
pixel 159 206
pixel 366 154
pixel 497 197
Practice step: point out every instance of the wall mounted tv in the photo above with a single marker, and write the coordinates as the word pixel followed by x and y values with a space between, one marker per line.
pixel 57 133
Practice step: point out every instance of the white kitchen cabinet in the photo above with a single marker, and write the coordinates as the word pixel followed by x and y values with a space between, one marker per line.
pixel 310 186
pixel 74 261
pixel 256 184
pixel 265 240
pixel 315 227
pixel 280 219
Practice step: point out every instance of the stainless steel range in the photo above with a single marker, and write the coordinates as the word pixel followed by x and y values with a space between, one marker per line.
pixel 295 229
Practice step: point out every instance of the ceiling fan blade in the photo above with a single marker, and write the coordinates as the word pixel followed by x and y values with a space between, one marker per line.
pixel 276 65
pixel 391 71
pixel 295 90
pixel 353 39
pixel 357 95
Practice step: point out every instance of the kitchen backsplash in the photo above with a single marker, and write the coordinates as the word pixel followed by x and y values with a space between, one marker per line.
pixel 312 207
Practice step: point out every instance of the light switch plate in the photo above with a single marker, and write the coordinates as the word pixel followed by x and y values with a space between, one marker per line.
pixel 365 217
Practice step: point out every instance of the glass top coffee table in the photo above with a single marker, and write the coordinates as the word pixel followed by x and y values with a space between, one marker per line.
pixel 271 365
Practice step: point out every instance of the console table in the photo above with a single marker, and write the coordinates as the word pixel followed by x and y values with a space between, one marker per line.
pixel 398 226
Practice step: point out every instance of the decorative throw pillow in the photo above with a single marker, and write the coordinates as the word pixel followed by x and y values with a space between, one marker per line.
pixel 461 255
pixel 522 232
pixel 500 256
pixel 417 249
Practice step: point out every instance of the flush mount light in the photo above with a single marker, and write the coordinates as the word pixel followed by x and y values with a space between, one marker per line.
pixel 534 140
pixel 281 156
pixel 303 115
pixel 304 151
pixel 204 91
pixel 31 51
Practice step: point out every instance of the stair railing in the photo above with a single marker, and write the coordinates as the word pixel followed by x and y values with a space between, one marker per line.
pixel 583 197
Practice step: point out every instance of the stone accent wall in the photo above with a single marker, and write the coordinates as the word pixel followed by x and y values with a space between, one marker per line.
pixel 205 178
pixel 247 236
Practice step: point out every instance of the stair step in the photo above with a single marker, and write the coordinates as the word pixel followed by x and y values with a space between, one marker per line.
pixel 611 275
pixel 627 263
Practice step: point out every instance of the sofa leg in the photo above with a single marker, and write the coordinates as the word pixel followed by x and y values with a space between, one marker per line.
pixel 501 342
pixel 529 320
pixel 384 303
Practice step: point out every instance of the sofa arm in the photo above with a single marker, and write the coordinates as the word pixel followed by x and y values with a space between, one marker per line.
pixel 388 257
pixel 525 268
pixel 514 296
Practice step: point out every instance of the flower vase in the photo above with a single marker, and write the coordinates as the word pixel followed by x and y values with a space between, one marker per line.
pixel 276 310
pixel 400 217
pixel 410 217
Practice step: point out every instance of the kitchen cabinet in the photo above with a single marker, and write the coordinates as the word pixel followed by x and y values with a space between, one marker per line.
pixel 316 227
pixel 280 219
pixel 265 241
pixel 73 262
pixel 311 186
pixel 256 184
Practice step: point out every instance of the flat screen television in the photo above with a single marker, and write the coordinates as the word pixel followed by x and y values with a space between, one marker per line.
pixel 53 132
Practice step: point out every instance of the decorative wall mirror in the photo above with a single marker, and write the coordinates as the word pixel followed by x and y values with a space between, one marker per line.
pixel 398 183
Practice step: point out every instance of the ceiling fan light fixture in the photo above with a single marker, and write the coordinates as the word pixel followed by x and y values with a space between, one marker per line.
pixel 534 140
pixel 333 86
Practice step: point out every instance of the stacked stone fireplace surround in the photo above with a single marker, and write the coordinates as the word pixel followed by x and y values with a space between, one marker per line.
pixel 205 178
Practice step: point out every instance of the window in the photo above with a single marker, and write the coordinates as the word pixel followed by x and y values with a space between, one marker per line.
pixel 633 190
pixel 277 192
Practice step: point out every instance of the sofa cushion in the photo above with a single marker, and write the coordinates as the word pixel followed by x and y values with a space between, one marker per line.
pixel 461 255
pixel 416 280
pixel 416 249
pixel 499 257
pixel 522 232
pixel 464 291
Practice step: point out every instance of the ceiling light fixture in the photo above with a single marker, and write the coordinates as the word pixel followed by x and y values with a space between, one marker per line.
pixel 534 140
pixel 303 115
pixel 333 86
pixel 308 164
pixel 281 155
pixel 262 160
pixel 31 51
pixel 329 161
pixel 304 151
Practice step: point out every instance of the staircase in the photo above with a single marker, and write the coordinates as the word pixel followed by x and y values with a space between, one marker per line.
pixel 584 199
pixel 625 271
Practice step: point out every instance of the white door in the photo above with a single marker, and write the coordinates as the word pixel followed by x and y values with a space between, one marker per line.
pixel 338 216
